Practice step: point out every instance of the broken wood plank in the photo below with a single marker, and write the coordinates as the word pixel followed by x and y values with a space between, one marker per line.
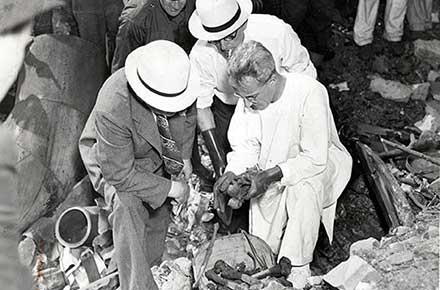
pixel 427 141
pixel 368 130
pixel 391 199
pixel 412 152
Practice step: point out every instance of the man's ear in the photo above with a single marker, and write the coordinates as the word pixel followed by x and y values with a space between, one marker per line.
pixel 273 79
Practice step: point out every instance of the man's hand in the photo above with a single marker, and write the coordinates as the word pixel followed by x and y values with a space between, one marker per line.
pixel 187 169
pixel 179 191
pixel 261 181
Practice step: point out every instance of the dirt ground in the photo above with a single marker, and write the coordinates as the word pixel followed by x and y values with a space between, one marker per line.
pixel 357 217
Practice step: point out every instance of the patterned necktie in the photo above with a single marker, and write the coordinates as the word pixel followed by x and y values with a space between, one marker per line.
pixel 170 153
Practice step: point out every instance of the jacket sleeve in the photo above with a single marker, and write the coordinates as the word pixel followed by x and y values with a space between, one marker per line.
pixel 294 56
pixel 314 139
pixel 243 137
pixel 201 64
pixel 190 131
pixel 115 155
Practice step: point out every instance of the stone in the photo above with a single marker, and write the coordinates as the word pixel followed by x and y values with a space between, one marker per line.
pixel 341 87
pixel 401 230
pixel 314 280
pixel 435 90
pixel 432 232
pixel 400 258
pixel 392 90
pixel 431 121
pixel 433 76
pixel 363 245
pixel 396 247
pixel 428 50
pixel 348 274
pixel 27 250
pixel 366 286
pixel 420 91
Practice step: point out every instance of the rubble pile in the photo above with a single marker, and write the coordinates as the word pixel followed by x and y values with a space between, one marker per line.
pixel 405 259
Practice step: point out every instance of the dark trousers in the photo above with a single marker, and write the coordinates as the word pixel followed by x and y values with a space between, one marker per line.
pixel 139 239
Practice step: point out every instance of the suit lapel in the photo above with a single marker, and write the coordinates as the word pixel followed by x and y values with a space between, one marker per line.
pixel 145 124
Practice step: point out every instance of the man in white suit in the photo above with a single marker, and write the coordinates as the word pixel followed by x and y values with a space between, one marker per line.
pixel 283 124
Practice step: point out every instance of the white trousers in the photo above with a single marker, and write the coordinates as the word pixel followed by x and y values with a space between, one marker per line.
pixel 366 19
pixel 287 218
pixel 419 15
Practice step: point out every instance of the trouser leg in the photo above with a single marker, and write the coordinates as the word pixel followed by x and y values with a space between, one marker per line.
pixel 395 12
pixel 139 239
pixel 222 117
pixel 419 15
pixel 365 21
pixel 304 203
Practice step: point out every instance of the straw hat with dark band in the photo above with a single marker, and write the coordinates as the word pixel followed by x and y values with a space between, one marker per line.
pixel 160 75
pixel 216 19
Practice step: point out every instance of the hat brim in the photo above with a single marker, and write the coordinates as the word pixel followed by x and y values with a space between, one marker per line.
pixel 166 104
pixel 198 31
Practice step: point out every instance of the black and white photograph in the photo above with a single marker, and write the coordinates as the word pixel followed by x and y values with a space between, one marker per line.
pixel 219 144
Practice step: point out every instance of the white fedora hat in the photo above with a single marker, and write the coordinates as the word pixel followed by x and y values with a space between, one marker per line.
pixel 215 19
pixel 160 74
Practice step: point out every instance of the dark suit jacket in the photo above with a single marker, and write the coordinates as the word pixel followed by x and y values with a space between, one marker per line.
pixel 120 144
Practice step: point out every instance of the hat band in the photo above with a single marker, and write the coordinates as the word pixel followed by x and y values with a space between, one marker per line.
pixel 226 25
pixel 159 92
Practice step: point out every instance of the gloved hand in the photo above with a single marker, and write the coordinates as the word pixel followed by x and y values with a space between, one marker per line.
pixel 262 180
pixel 216 153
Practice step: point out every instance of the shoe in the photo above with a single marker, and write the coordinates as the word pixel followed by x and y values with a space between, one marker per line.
pixel 298 276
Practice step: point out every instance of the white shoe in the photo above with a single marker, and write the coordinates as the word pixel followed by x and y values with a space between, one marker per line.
pixel 298 276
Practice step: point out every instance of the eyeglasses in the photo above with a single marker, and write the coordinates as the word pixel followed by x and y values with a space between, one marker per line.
pixel 253 97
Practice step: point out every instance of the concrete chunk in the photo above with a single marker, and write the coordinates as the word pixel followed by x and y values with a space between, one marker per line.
pixel 428 51
pixel 363 245
pixel 392 90
pixel 348 274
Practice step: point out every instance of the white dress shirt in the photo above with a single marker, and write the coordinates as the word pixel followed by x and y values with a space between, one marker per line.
pixel 277 36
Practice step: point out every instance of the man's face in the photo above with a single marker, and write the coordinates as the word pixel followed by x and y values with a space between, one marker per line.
pixel 256 96
pixel 231 41
pixel 12 50
pixel 173 7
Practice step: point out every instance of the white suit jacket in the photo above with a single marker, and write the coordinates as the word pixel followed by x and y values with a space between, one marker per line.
pixel 297 133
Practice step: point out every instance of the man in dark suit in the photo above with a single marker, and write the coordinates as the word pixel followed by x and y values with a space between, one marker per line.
pixel 136 147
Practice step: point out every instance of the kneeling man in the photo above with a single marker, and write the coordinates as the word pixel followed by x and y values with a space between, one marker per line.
pixel 136 147
pixel 283 125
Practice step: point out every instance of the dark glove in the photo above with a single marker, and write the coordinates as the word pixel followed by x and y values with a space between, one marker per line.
pixel 262 180
pixel 216 153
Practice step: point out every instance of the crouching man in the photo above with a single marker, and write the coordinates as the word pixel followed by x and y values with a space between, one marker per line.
pixel 136 147
pixel 283 124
